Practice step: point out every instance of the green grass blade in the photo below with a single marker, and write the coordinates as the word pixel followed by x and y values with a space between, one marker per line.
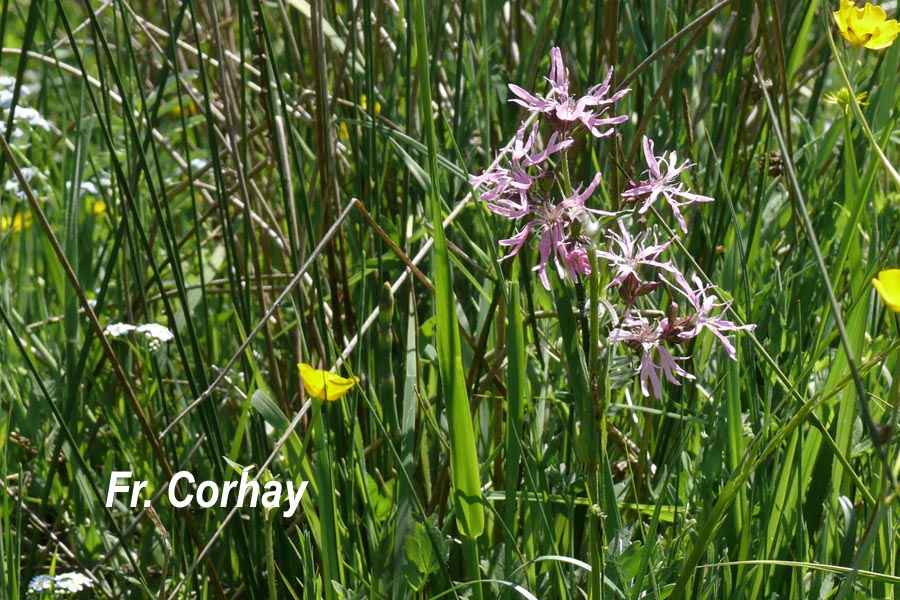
pixel 517 392
pixel 464 464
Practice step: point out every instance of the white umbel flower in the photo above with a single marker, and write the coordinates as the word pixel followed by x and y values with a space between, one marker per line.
pixel 118 329
pixel 155 333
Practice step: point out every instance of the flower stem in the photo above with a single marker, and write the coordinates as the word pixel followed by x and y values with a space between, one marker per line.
pixel 270 558
pixel 599 402
pixel 858 114
pixel 567 182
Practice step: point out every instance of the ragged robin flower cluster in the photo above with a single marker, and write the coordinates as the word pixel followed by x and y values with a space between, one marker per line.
pixel 530 185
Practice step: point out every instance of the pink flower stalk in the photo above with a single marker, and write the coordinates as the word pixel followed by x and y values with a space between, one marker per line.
pixel 559 240
pixel 627 254
pixel 703 304
pixel 637 333
pixel 565 110
pixel 663 180
pixel 508 194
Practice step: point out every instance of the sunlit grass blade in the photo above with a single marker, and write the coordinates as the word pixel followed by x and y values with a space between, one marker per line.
pixel 464 464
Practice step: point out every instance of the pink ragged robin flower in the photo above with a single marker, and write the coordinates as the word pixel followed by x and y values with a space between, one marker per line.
pixel 509 186
pixel 559 228
pixel 703 304
pixel 637 333
pixel 663 179
pixel 627 254
pixel 564 109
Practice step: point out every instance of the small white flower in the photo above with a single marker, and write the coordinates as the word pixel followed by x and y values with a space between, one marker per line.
pixel 17 131
pixel 73 582
pixel 6 91
pixel 155 331
pixel 31 117
pixel 25 115
pixel 118 329
pixel 86 187
pixel 7 83
pixel 28 173
pixel 40 583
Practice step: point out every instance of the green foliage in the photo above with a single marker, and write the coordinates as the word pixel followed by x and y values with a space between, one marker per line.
pixel 288 181
pixel 424 559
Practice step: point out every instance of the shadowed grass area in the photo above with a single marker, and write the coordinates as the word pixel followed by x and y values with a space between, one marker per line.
pixel 289 182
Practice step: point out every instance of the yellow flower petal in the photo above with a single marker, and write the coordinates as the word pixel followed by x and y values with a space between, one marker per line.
pixel 189 109
pixel 868 26
pixel 888 285
pixel 364 102
pixel 99 208
pixel 885 35
pixel 324 385
pixel 17 223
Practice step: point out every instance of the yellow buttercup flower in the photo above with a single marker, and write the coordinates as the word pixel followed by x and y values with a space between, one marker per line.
pixel 324 385
pixel 868 26
pixel 99 208
pixel 17 223
pixel 888 285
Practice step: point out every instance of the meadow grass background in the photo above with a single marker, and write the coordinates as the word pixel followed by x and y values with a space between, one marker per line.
pixel 240 150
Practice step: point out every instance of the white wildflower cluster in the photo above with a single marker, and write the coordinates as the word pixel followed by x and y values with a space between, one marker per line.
pixel 25 115
pixel 32 176
pixel 7 84
pixel 155 333
pixel 61 585
pixel 85 187
pixel 26 118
